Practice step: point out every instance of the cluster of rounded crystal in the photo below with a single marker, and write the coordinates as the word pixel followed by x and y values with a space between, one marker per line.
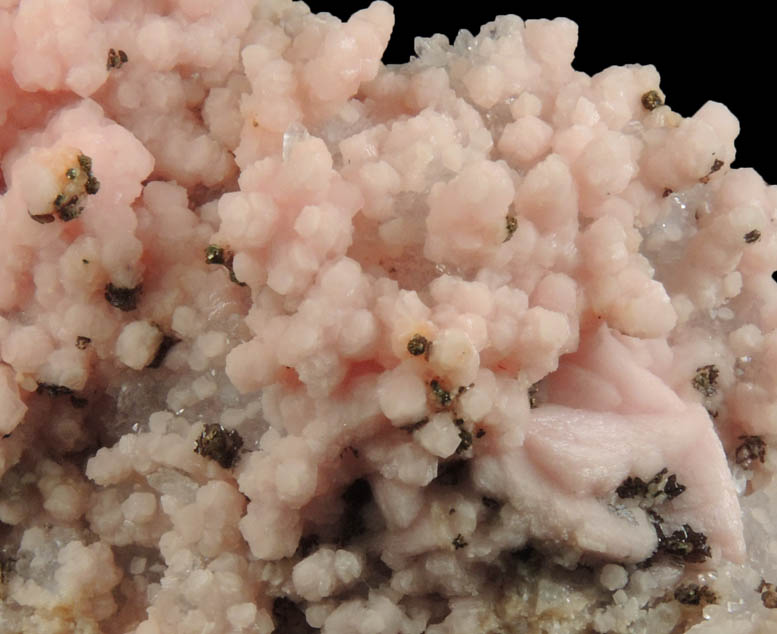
pixel 413 250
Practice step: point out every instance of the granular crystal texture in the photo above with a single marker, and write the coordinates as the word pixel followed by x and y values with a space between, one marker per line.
pixel 295 341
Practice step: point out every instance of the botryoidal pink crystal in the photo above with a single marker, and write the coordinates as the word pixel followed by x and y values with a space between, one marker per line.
pixel 293 341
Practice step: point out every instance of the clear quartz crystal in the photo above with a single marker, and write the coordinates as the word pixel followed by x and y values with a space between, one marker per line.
pixel 675 226
pixel 173 483
pixel 294 133
pixel 464 43
pixel 432 50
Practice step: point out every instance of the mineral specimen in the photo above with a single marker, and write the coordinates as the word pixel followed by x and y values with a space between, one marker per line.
pixel 295 341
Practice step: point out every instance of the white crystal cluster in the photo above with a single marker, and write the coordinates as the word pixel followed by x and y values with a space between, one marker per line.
pixel 293 341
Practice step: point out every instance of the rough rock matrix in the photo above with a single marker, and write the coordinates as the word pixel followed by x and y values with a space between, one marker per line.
pixel 293 341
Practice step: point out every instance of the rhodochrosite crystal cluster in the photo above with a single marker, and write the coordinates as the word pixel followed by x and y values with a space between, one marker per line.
pixel 294 341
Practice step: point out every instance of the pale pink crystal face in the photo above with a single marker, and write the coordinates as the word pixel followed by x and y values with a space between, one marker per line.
pixel 292 340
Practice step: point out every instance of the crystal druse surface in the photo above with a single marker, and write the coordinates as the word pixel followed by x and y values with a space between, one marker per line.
pixel 292 340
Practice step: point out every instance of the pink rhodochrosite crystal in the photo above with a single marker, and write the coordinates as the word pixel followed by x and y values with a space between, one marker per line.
pixel 293 341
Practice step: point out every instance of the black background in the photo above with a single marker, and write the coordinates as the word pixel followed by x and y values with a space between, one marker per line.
pixel 702 53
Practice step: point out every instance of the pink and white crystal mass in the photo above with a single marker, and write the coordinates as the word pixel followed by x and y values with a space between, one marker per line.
pixel 436 315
